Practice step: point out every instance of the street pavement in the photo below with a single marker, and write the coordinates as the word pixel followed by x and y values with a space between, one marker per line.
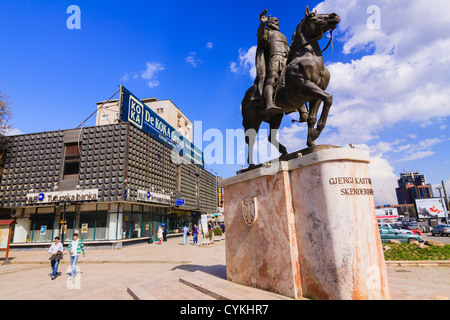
pixel 443 239
pixel 153 272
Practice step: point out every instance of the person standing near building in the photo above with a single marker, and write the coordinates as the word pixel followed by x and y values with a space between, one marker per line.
pixel 185 235
pixel 55 250
pixel 164 233
pixel 159 234
pixel 195 234
pixel 75 248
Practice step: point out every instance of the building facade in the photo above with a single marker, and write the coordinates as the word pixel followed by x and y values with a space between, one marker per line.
pixel 411 186
pixel 107 183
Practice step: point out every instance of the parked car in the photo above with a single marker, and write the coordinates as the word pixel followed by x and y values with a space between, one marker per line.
pixel 424 227
pixel 441 229
pixel 401 229
pixel 412 226
pixel 387 234
pixel 415 229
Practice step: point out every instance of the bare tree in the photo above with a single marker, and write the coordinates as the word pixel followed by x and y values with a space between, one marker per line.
pixel 5 113
pixel 5 118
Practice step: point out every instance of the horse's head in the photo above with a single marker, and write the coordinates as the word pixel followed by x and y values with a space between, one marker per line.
pixel 313 27
pixel 316 25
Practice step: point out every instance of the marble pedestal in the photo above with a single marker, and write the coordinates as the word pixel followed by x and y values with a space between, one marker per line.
pixel 306 228
pixel 261 251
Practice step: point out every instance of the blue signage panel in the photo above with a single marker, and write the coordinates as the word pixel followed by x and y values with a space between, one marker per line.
pixel 180 202
pixel 140 115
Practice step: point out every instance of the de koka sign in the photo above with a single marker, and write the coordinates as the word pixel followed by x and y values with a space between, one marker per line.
pixel 140 115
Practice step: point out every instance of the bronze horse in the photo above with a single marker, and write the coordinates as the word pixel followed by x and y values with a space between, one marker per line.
pixel 305 80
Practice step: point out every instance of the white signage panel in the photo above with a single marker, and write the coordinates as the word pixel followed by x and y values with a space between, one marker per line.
pixel 4 234
pixel 154 197
pixel 70 195
pixel 387 213
pixel 430 208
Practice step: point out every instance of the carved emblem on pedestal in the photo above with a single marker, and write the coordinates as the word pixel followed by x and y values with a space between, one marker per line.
pixel 249 210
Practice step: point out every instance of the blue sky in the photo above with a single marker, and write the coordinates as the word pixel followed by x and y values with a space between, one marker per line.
pixel 390 85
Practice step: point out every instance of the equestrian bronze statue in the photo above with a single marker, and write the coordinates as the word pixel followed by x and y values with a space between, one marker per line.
pixel 288 78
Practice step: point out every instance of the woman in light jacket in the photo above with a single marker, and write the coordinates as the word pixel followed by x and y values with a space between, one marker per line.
pixel 159 234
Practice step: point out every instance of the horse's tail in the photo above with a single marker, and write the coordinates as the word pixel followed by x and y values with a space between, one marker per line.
pixel 244 104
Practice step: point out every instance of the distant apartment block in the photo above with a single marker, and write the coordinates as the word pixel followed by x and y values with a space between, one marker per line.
pixel 411 186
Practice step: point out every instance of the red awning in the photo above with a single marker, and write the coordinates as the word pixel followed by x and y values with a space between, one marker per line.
pixel 8 221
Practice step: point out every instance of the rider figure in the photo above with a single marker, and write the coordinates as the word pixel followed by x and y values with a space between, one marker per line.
pixel 271 57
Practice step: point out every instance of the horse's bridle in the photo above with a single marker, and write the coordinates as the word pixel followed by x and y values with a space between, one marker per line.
pixel 320 37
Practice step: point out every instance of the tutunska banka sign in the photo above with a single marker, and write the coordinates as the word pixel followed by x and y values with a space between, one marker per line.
pixel 359 186
pixel 70 195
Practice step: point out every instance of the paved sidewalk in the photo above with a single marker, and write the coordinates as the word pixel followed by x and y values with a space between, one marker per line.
pixel 152 271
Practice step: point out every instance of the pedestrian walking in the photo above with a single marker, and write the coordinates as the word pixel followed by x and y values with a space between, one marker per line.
pixel 159 234
pixel 195 234
pixel 185 235
pixel 56 250
pixel 164 233
pixel 75 248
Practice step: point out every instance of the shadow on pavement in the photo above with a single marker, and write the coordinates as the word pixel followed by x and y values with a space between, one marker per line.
pixel 218 270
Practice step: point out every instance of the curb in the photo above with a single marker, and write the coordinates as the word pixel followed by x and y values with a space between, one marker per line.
pixel 107 261
pixel 424 263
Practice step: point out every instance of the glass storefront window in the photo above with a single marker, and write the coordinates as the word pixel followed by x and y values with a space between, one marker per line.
pixel 101 229
pixel 136 225
pixel 177 220
pixel 146 224
pixel 92 222
pixel 69 223
pixel 86 226
pixel 126 223
pixel 42 227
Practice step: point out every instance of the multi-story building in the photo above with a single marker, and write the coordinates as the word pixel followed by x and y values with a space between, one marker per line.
pixel 411 186
pixel 110 183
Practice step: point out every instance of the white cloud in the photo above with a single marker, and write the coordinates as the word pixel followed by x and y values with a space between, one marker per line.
pixel 209 45
pixel 384 180
pixel 419 150
pixel 152 68
pixel 417 155
pixel 13 132
pixel 246 62
pixel 149 74
pixel 193 60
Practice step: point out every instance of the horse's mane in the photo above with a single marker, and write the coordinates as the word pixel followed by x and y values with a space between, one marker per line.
pixel 297 40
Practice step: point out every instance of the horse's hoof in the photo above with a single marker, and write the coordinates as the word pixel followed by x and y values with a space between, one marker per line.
pixel 303 117
pixel 313 148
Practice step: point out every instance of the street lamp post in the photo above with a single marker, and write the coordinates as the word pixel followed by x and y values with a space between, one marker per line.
pixel 446 202
pixel 63 203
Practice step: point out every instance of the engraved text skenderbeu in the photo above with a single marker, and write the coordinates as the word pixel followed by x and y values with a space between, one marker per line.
pixel 353 181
